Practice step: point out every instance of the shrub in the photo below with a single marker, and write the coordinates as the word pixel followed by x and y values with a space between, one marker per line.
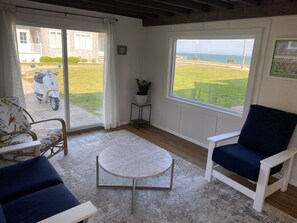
pixel 72 60
pixel 57 59
pixel 94 60
pixel 84 60
pixel 46 59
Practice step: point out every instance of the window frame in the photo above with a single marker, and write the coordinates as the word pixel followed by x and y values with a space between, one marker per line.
pixel 255 34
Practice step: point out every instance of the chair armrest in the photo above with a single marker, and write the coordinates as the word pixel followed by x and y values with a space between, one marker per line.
pixel 17 147
pixel 73 215
pixel 29 132
pixel 279 158
pixel 47 120
pixel 223 137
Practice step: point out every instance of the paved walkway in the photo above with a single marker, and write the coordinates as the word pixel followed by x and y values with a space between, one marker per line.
pixel 41 111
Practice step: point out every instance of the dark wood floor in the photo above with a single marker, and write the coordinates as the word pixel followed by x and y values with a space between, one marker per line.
pixel 195 154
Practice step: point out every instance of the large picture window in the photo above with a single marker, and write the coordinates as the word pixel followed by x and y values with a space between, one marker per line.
pixel 212 72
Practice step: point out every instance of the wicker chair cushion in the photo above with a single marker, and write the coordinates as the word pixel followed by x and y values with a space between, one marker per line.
pixel 12 117
pixel 45 136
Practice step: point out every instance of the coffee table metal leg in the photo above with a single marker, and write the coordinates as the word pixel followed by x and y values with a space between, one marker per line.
pixel 133 194
pixel 97 172
pixel 134 187
pixel 172 173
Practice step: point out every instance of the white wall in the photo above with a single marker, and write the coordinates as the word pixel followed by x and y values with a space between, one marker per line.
pixel 197 123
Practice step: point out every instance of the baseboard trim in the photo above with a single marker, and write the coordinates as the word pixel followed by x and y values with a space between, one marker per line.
pixel 180 135
pixel 124 123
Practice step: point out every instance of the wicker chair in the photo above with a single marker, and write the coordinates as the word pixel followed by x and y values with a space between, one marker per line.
pixel 17 126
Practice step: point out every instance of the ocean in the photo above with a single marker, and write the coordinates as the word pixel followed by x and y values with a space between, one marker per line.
pixel 215 57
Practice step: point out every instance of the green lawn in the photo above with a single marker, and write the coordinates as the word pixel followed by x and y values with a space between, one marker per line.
pixel 220 86
pixel 85 84
pixel 217 85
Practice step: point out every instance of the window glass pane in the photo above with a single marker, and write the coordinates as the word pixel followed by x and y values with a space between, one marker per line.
pixel 101 43
pixel 76 41
pixel 23 37
pixel 53 39
pixel 88 42
pixel 82 41
pixel 85 75
pixel 59 40
pixel 213 71
pixel 41 50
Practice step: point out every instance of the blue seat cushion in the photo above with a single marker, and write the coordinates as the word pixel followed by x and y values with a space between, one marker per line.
pixel 23 178
pixel 241 160
pixel 267 130
pixel 2 216
pixel 40 205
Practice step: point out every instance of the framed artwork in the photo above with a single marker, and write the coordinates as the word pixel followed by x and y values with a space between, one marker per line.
pixel 122 50
pixel 284 60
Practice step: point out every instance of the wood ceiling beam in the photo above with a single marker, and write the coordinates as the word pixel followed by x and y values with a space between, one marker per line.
pixel 157 5
pixel 120 5
pixel 89 7
pixel 250 2
pixel 256 11
pixel 216 3
pixel 195 6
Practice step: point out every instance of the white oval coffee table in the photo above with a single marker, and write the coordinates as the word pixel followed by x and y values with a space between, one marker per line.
pixel 135 162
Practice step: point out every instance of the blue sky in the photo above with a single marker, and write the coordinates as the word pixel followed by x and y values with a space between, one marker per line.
pixel 222 47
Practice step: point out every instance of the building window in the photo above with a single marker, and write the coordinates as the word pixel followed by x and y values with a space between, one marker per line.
pixel 55 39
pixel 23 37
pixel 101 42
pixel 212 72
pixel 82 41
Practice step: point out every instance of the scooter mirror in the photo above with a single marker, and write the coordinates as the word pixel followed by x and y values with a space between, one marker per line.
pixel 32 65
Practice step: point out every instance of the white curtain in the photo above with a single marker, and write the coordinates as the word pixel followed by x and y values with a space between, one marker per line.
pixel 110 97
pixel 10 71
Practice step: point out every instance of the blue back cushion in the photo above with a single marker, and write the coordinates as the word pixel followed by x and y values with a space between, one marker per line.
pixel 2 216
pixel 267 130
pixel 23 178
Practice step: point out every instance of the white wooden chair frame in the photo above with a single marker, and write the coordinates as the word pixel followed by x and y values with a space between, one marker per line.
pixel 84 212
pixel 263 190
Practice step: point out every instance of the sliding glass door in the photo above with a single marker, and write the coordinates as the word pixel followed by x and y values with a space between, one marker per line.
pixel 85 75
pixel 76 83
pixel 40 53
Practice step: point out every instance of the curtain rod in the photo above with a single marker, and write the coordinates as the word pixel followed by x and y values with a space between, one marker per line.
pixel 65 13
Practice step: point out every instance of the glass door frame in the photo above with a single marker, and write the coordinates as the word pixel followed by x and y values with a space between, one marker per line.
pixel 66 77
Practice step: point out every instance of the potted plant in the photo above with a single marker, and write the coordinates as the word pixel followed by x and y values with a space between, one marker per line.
pixel 143 87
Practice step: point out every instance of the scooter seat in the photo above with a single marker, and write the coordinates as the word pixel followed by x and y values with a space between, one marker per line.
pixel 39 78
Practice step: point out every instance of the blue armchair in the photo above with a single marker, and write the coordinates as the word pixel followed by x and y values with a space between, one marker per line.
pixel 261 151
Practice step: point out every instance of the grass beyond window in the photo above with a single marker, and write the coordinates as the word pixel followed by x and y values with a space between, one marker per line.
pixel 219 85
pixel 84 90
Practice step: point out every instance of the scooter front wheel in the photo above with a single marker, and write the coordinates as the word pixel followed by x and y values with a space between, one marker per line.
pixel 54 102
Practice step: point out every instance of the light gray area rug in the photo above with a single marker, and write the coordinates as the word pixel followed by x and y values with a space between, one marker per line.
pixel 192 199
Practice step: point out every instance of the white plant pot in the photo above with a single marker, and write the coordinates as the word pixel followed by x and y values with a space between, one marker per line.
pixel 141 99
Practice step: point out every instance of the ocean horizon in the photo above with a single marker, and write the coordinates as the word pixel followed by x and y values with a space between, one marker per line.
pixel 215 57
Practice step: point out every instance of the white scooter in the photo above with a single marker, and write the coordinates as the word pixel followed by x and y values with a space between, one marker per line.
pixel 45 86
